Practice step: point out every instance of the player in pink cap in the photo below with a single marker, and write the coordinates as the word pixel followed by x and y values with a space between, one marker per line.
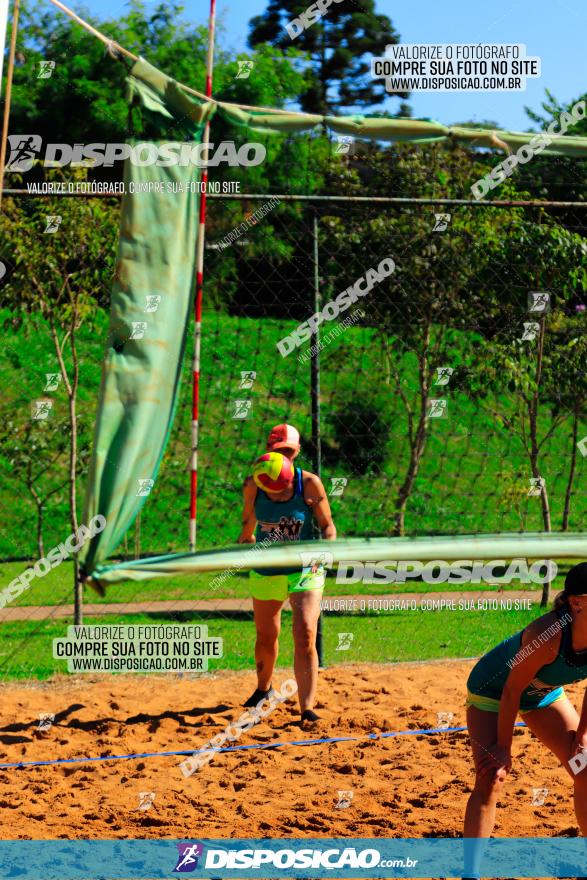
pixel 287 516
pixel 285 439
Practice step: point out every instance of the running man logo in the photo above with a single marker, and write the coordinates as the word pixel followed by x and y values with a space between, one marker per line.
pixel 337 485
pixel 443 375
pixel 345 142
pixel 539 796
pixel 46 720
pixel 138 329
pixel 314 561
pixel 441 222
pixel 152 302
pixel 344 641
pixel 52 381
pixel 344 799
pixel 53 222
pixel 244 69
pixel 146 799
pixel 247 378
pixel 531 330
pixel 538 301
pixel 145 487
pixel 40 409
pixel 242 409
pixel 187 861
pixel 444 720
pixel 24 149
pixel 437 409
pixel 46 69
pixel 537 484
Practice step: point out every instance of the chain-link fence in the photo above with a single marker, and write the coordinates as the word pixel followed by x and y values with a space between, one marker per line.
pixel 426 379
pixel 441 392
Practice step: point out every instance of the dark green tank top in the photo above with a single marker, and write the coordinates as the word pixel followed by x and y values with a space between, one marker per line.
pixel 283 520
pixel 490 674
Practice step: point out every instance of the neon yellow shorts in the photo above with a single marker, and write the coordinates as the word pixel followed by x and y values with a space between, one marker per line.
pixel 278 586
pixel 489 704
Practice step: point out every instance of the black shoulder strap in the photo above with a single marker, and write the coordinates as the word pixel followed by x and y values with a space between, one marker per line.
pixel 299 482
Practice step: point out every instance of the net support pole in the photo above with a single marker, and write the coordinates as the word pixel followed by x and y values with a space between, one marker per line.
pixel 315 396
pixel 3 26
pixel 9 76
pixel 198 296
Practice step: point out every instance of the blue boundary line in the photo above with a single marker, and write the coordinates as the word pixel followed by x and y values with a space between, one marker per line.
pixel 278 745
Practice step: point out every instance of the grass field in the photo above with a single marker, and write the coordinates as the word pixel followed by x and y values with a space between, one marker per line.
pixel 381 637
pixel 473 477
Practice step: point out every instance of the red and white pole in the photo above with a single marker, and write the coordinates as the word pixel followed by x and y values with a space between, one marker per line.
pixel 199 292
pixel 9 76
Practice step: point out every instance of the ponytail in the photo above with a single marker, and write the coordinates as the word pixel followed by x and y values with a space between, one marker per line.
pixel 560 600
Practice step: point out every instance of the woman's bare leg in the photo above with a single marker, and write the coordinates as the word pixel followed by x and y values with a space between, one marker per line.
pixel 306 611
pixel 268 625
pixel 555 726
pixel 480 812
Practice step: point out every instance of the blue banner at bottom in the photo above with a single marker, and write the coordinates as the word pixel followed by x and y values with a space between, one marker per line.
pixel 293 858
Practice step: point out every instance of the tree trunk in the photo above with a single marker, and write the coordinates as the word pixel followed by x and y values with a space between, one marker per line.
pixel 417 443
pixel 40 545
pixel 416 453
pixel 323 75
pixel 573 465
pixel 545 504
pixel 39 505
pixel 138 536
pixel 78 596
pixel 71 389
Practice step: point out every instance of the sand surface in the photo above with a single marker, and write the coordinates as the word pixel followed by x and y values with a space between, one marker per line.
pixel 406 786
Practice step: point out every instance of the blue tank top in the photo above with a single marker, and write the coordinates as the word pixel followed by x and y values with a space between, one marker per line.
pixel 489 675
pixel 283 520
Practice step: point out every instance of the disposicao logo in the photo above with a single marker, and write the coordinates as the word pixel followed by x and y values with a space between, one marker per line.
pixel 26 149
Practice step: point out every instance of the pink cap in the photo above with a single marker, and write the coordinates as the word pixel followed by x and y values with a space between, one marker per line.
pixel 283 437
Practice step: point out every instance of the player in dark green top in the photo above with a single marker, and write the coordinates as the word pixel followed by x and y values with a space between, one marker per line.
pixel 525 674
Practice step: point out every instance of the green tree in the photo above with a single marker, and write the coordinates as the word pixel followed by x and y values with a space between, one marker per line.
pixel 453 292
pixel 425 314
pixel 538 355
pixel 84 99
pixel 338 46
pixel 559 178
pixel 62 257
pixel 568 389
pixel 33 450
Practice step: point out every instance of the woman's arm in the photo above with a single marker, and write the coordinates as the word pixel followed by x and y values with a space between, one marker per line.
pixel 249 520
pixel 315 498
pixel 525 665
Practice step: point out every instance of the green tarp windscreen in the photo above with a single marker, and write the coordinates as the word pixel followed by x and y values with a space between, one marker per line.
pixel 150 308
